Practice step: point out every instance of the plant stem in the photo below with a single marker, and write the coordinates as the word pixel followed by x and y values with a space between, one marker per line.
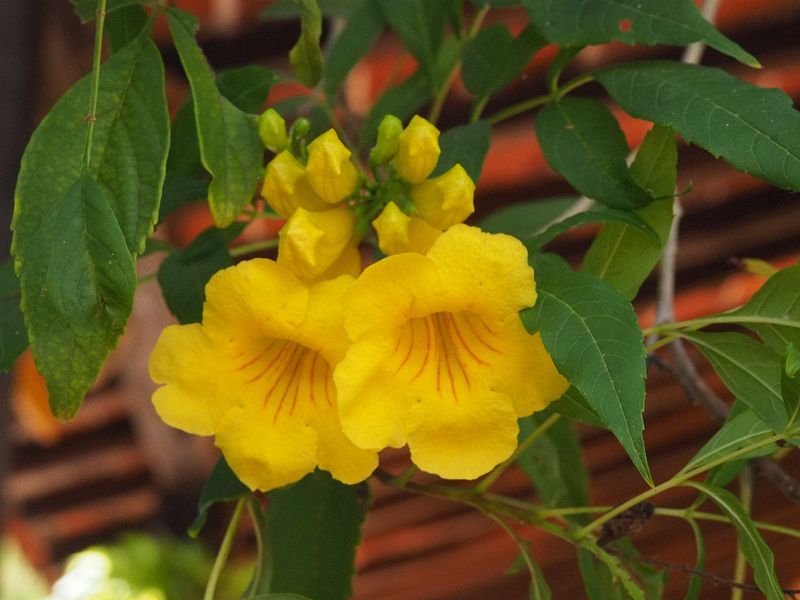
pixel 489 480
pixel 95 89
pixel 224 549
pixel 746 496
pixel 531 103
pixel 254 247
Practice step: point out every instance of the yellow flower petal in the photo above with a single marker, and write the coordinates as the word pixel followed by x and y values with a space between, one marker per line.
pixel 398 232
pixel 330 171
pixel 337 454
pixel 286 187
pixel 445 200
pixel 417 151
pixel 310 242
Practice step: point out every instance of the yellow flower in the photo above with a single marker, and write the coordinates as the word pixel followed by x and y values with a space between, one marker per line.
pixel 445 200
pixel 312 241
pixel 287 188
pixel 417 150
pixel 256 374
pixel 440 359
pixel 398 232
pixel 330 171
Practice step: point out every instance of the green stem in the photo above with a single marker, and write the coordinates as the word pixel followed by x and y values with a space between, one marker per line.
pixel 489 480
pixel 746 496
pixel 695 324
pixel 224 549
pixel 536 101
pixel 254 247
pixel 262 573
pixel 95 90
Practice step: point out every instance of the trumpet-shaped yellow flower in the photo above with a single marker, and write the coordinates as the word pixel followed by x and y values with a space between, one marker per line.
pixel 440 359
pixel 398 232
pixel 257 374
pixel 330 171
pixel 417 150
pixel 445 200
pixel 287 188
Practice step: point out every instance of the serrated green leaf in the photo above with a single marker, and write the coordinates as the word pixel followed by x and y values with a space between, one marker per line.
pixel 184 273
pixel 314 527
pixel 523 219
pixel 756 130
pixel 401 101
pixel 221 486
pixel 306 55
pixel 622 255
pixel 363 28
pixel 466 145
pixel 750 370
pixel 13 337
pixel 677 23
pixel 753 546
pixel 494 58
pixel 87 9
pixel 582 140
pixel 246 87
pixel 230 148
pixel 593 336
pixel 122 26
pixel 77 279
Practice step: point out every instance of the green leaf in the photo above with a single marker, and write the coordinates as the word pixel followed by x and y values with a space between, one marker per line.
pixel 791 361
pixel 696 582
pixel 466 145
pixel 573 405
pixel 314 529
pixel 306 55
pixel 77 279
pixel 774 312
pixel 401 101
pixel 494 58
pixel 599 581
pixel 184 151
pixel 122 26
pixel 755 129
pixel 179 189
pixel 750 370
pixel 593 336
pixel 184 273
pixel 753 546
pixel 13 337
pixel 276 597
pixel 539 589
pixel 246 87
pixel 278 10
pixel 362 30
pixel 229 144
pixel 621 254
pixel 87 9
pixel 582 140
pixel 221 486
pixel 523 219
pixel 677 23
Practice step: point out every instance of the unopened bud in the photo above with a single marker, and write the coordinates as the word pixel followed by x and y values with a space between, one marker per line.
pixel 272 129
pixel 388 140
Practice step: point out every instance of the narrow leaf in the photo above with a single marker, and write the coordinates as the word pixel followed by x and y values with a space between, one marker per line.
pixel 677 23
pixel 582 140
pixel 753 546
pixel 306 55
pixel 755 129
pixel 593 336
pixel 363 28
pixel 221 486
pixel 229 144
pixel 13 337
pixel 466 145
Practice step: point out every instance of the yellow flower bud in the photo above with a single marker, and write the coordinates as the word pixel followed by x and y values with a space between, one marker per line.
pixel 312 241
pixel 388 140
pixel 286 186
pixel 418 150
pixel 398 232
pixel 330 171
pixel 445 200
pixel 272 129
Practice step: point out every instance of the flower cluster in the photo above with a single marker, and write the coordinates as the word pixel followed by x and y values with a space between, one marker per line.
pixel 309 361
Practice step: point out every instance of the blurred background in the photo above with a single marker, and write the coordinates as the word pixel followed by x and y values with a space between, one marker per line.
pixel 117 478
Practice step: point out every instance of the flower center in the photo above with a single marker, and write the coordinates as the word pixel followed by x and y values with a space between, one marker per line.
pixel 289 376
pixel 448 351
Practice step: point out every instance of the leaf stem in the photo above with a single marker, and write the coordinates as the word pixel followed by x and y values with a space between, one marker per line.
pixel 746 496
pixel 536 101
pixel 95 89
pixel 254 247
pixel 224 549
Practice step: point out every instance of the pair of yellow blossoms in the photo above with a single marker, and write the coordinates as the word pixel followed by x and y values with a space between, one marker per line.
pixel 290 371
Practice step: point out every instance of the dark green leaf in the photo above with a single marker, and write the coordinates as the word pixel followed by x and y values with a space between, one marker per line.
pixel 466 145
pixel 276 597
pixel 749 369
pixel 562 59
pixel 246 87
pixel 229 144
pixel 581 139
pixel 593 336
pixel 622 255
pixel 183 274
pixel 77 279
pixel 598 580
pixel 122 26
pixel 362 30
pixel 184 151
pixel 87 9
pixel 13 337
pixel 222 486
pixel 696 581
pixel 495 3
pixel 314 529
pixel 526 218
pixel 791 363
pixel 753 546
pixel 755 129
pixel 494 58
pixel 573 405
pixel 289 9
pixel 306 56
pixel 678 23
pixel 401 101
pixel 179 189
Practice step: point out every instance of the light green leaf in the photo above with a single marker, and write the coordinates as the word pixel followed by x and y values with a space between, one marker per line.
pixel 364 27
pixel 593 336
pixel 314 527
pixel 749 369
pixel 229 144
pixel 582 140
pixel 677 23
pixel 621 254
pixel 753 546
pixel 13 337
pixel 755 129
pixel 221 486
pixel 87 9
pixel 466 145
pixel 77 279
pixel 523 219
pixel 306 55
